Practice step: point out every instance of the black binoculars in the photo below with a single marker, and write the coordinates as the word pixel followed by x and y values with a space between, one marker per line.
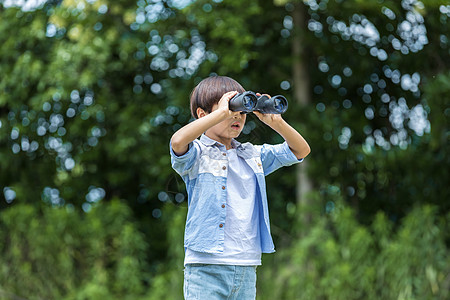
pixel 248 101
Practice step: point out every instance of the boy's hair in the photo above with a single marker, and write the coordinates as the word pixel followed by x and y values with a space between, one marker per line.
pixel 209 91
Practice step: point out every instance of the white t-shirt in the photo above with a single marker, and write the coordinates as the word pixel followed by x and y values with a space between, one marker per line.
pixel 242 245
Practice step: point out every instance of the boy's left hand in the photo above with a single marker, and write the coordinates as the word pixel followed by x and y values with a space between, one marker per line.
pixel 296 142
pixel 268 119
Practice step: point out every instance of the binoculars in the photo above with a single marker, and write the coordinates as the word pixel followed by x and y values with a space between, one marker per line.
pixel 248 101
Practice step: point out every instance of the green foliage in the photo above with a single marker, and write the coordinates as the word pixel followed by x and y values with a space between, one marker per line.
pixel 60 253
pixel 337 258
pixel 168 282
pixel 91 92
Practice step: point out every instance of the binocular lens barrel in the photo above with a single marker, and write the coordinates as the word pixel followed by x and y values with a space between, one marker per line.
pixel 248 101
pixel 244 102
pixel 275 105
pixel 280 104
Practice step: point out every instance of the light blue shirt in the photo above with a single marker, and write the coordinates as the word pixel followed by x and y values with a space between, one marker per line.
pixel 242 245
pixel 204 170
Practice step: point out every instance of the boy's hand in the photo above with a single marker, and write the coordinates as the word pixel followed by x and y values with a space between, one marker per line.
pixel 268 119
pixel 296 142
pixel 224 106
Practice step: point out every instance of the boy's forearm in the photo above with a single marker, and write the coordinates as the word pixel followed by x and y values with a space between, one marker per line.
pixel 185 135
pixel 294 139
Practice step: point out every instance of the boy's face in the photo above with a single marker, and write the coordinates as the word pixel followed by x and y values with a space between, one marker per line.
pixel 227 129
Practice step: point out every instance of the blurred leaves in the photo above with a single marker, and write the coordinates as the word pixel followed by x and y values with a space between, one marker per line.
pixel 337 258
pixel 91 91
pixel 62 253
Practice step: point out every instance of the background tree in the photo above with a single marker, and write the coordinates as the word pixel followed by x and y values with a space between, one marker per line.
pixel 91 91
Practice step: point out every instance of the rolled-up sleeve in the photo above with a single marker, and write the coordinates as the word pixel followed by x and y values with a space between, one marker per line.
pixel 183 163
pixel 274 157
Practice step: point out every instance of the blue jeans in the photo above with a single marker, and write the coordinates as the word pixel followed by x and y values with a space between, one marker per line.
pixel 214 282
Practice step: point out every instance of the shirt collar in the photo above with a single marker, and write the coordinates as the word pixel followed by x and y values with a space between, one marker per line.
pixel 207 141
pixel 235 144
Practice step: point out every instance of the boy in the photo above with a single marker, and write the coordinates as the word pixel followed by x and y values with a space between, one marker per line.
pixel 227 226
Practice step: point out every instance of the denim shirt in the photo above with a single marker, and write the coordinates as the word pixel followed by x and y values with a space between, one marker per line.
pixel 204 170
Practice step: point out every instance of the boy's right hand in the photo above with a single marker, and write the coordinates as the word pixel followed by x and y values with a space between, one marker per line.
pixel 182 137
pixel 224 106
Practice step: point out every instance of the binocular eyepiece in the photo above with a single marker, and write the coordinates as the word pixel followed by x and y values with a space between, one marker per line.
pixel 248 101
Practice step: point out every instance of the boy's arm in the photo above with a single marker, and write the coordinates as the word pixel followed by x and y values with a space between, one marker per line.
pixel 184 136
pixel 296 142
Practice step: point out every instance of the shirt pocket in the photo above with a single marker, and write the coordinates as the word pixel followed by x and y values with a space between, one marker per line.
pixel 215 167
pixel 255 164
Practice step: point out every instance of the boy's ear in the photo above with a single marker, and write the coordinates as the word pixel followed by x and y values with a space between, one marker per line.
pixel 200 112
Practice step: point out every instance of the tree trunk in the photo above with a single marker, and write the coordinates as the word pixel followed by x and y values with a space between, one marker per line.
pixel 302 94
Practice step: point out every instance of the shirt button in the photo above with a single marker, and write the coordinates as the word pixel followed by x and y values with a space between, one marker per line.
pixel 224 168
pixel 223 205
pixel 221 225
pixel 224 154
pixel 223 187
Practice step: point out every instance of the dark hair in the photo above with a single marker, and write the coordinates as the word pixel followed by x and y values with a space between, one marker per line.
pixel 209 91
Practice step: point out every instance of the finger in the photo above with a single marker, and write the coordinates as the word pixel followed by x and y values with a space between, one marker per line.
pixel 258 114
pixel 231 94
pixel 228 95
